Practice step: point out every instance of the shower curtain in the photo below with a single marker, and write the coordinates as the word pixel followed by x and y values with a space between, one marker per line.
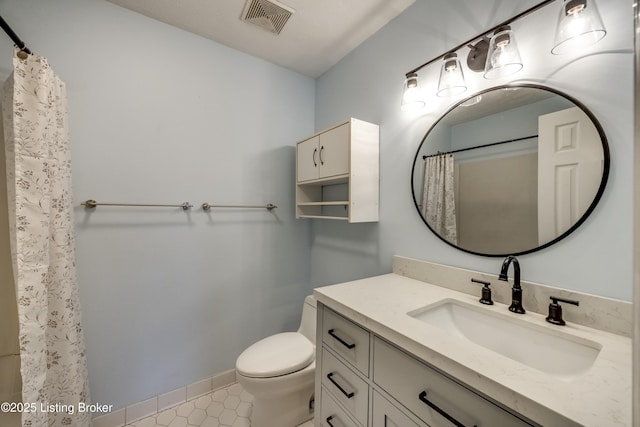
pixel 52 351
pixel 438 199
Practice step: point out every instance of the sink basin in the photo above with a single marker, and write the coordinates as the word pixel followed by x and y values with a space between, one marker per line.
pixel 551 351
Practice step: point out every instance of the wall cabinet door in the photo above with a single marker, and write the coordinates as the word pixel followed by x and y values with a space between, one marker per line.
pixel 308 159
pixel 334 152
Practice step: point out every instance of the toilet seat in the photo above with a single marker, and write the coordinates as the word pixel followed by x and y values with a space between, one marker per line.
pixel 277 355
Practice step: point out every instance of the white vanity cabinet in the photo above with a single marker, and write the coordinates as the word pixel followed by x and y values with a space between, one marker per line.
pixel 337 173
pixel 363 380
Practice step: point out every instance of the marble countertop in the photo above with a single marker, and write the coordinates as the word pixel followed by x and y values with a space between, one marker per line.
pixel 599 397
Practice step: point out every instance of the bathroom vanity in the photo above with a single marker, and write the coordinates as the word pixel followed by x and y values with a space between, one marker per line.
pixel 397 351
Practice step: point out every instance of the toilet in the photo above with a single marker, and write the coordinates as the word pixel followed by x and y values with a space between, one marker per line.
pixel 279 372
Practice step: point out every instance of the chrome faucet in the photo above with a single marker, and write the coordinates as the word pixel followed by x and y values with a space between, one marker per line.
pixel 516 291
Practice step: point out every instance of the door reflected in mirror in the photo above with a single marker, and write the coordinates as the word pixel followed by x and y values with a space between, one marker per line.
pixel 510 170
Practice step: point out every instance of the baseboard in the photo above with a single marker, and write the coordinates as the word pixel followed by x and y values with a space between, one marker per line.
pixel 161 402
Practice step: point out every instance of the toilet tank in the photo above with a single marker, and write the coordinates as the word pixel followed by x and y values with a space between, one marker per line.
pixel 308 320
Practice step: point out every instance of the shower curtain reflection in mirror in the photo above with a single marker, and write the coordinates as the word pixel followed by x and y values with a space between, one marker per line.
pixel 438 196
pixel 42 241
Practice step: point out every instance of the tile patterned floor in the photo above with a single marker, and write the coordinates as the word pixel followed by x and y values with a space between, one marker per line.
pixel 228 407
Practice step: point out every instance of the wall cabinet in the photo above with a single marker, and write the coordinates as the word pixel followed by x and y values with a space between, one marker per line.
pixel 337 173
pixel 363 380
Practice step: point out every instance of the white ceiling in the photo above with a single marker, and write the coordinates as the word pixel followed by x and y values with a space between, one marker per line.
pixel 317 36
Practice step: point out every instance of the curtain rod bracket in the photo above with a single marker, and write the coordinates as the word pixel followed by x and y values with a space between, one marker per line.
pixel 24 50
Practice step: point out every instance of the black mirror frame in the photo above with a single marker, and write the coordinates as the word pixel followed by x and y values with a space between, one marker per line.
pixel 596 199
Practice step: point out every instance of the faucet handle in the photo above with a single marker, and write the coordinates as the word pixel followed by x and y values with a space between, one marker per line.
pixel 486 292
pixel 555 310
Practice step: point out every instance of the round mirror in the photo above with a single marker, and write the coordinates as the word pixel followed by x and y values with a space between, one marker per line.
pixel 510 170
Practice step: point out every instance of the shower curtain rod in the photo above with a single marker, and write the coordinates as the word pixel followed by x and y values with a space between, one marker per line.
pixel 480 146
pixel 16 40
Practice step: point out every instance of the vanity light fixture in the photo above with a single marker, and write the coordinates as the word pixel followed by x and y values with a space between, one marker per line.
pixel 411 95
pixel 579 26
pixel 451 77
pixel 503 58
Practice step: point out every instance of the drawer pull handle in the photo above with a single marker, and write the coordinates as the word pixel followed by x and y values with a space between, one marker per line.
pixel 349 394
pixel 315 151
pixel 329 419
pixel 332 332
pixel 430 404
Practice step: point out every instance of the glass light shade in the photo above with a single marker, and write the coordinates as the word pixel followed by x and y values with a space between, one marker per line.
pixel 451 77
pixel 411 95
pixel 579 26
pixel 503 58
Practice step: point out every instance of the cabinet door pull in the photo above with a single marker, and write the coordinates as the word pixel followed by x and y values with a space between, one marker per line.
pixel 315 151
pixel 423 397
pixel 332 332
pixel 348 394
pixel 321 151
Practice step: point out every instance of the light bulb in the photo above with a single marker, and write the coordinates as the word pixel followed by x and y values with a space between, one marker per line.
pixel 579 26
pixel 451 77
pixel 503 58
pixel 411 95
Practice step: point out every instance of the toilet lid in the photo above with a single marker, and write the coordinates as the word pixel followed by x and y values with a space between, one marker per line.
pixel 276 355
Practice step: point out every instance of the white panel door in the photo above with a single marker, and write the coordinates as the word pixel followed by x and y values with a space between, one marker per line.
pixel 570 164
pixel 334 151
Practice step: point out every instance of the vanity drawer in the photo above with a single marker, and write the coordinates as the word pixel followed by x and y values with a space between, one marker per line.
pixel 345 386
pixel 422 389
pixel 347 339
pixel 332 415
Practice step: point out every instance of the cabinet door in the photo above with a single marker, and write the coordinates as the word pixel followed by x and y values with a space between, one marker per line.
pixel 387 415
pixel 334 151
pixel 308 159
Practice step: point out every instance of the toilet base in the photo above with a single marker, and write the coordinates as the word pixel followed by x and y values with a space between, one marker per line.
pixel 290 410
pixel 283 401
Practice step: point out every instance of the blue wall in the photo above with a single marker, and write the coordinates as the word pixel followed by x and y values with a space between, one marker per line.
pixel 597 258
pixel 159 115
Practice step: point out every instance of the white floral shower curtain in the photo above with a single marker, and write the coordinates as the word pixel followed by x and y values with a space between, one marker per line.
pixel 438 198
pixel 52 351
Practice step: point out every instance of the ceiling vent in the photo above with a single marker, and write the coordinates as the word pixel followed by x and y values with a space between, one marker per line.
pixel 268 14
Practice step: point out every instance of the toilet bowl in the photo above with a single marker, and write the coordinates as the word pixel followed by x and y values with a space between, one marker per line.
pixel 279 372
